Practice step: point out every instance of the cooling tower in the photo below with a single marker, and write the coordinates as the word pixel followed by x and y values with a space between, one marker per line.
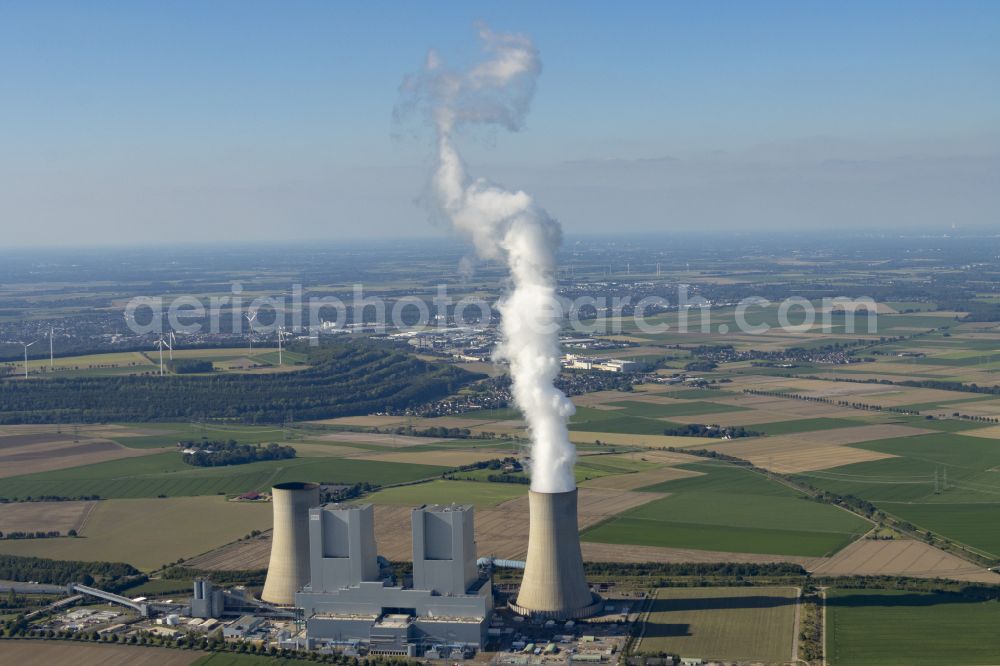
pixel 288 569
pixel 554 585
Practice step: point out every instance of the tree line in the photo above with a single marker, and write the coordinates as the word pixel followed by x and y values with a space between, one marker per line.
pixel 106 575
pixel 343 379
pixel 220 454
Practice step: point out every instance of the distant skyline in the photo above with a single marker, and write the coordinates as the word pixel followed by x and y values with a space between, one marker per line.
pixel 207 121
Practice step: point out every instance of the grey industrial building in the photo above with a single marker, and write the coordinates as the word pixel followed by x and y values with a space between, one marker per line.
pixel 349 597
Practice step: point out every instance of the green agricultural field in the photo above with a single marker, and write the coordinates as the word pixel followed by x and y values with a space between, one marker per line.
pixel 477 493
pixel 629 425
pixel 166 474
pixel 150 532
pixel 732 509
pixel 897 628
pixel 730 623
pixel 965 502
pixel 168 434
pixel 972 524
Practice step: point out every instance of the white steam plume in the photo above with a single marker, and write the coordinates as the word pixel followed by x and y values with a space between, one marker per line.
pixel 508 226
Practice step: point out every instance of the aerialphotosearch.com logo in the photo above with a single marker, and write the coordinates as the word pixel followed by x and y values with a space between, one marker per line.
pixel 587 315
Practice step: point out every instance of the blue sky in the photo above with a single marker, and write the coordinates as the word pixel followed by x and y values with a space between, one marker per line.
pixel 209 119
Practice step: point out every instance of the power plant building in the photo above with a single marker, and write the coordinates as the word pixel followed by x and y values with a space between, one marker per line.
pixel 349 597
pixel 288 569
pixel 554 585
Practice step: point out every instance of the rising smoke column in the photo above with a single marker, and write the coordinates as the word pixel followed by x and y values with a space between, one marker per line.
pixel 505 225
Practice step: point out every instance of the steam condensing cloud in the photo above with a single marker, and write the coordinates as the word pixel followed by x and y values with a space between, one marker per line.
pixel 505 225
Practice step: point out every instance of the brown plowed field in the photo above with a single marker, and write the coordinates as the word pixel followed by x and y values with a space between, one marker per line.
pixel 28 454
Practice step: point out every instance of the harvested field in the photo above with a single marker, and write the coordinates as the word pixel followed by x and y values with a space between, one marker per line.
pixel 365 421
pixel 748 418
pixel 316 450
pixel 46 653
pixel 248 554
pixel 989 408
pixel 501 428
pixel 600 398
pixel 902 557
pixel 46 516
pixel 393 533
pixel 381 439
pixel 815 450
pixel 450 422
pixel 639 479
pixel 656 456
pixel 990 432
pixel 27 440
pixel 28 454
pixel 734 624
pixel 149 532
pixel 441 458
pixel 502 531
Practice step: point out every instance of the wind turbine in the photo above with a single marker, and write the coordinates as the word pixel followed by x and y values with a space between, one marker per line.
pixel 26 357
pixel 161 343
pixel 250 316
pixel 172 339
pixel 52 332
pixel 281 335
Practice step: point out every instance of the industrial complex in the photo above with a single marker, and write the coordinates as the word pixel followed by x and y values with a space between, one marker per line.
pixel 326 576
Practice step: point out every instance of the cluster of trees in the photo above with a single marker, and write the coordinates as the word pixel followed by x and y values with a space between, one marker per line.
pixel 220 454
pixel 345 493
pixel 189 366
pixel 727 569
pixel 511 471
pixel 344 379
pixel 107 575
pixel 702 365
pixel 702 430
pixel 952 386
pixel 50 498
pixel 37 534
pixel 508 478
pixel 228 577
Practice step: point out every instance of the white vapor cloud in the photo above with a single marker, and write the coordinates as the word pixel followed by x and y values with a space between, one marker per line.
pixel 508 226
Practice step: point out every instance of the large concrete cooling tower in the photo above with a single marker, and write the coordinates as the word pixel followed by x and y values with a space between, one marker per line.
pixel 554 585
pixel 288 569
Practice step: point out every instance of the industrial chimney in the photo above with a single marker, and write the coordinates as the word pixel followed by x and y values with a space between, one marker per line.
pixel 554 585
pixel 288 569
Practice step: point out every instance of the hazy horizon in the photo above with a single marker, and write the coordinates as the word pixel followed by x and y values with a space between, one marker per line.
pixel 192 123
